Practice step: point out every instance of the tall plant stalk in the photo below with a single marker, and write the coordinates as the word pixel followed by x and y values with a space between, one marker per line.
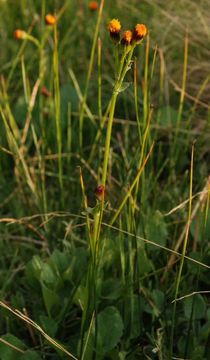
pixel 57 108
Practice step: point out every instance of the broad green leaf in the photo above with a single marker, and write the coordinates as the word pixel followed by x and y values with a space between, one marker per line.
pixel 144 264
pixel 50 298
pixel 48 276
pixel 204 331
pixel 196 304
pixel 30 355
pixel 7 352
pixel 59 261
pixel 49 325
pixel 111 289
pixel 80 296
pixel 77 266
pixel 110 329
pixel 33 269
pixel 156 229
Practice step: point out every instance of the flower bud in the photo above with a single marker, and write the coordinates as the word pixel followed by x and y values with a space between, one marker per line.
pixel 20 34
pixel 50 19
pixel 93 5
pixel 45 92
pixel 99 192
pixel 127 37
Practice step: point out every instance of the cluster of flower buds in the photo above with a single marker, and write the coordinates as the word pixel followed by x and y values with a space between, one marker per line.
pixel 128 37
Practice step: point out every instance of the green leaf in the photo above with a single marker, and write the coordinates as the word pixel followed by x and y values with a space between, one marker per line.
pixel 111 289
pixel 48 276
pixel 59 261
pixel 198 353
pixel 7 352
pixel 68 95
pixel 158 297
pixel 30 355
pixel 204 331
pixel 168 116
pixel 50 298
pixel 80 296
pixel 196 304
pixel 77 266
pixel 49 325
pixel 156 230
pixel 144 263
pixel 110 329
pixel 33 270
pixel 137 310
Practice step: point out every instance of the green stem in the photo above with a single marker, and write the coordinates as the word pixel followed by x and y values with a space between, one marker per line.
pixel 121 74
pixel 183 253
pixel 57 108
pixel 90 67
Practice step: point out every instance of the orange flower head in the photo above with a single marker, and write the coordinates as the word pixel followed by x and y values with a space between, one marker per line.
pixel 140 32
pixel 127 37
pixel 99 192
pixel 50 19
pixel 93 5
pixel 19 34
pixel 114 29
pixel 114 26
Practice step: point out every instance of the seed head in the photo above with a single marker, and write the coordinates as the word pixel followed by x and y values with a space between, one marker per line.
pixel 127 37
pixel 99 192
pixel 140 32
pixel 50 19
pixel 93 5
pixel 19 34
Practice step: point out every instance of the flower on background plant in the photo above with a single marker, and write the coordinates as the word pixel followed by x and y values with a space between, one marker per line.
pixel 93 5
pixel 45 92
pixel 20 34
pixel 114 29
pixel 50 19
pixel 127 37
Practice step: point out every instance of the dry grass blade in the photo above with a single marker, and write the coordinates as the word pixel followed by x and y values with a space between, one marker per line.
pixel 202 198
pixel 25 318
pixel 132 185
pixel 30 109
pixel 191 294
pixel 174 253
pixel 80 96
pixel 185 202
pixel 22 222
